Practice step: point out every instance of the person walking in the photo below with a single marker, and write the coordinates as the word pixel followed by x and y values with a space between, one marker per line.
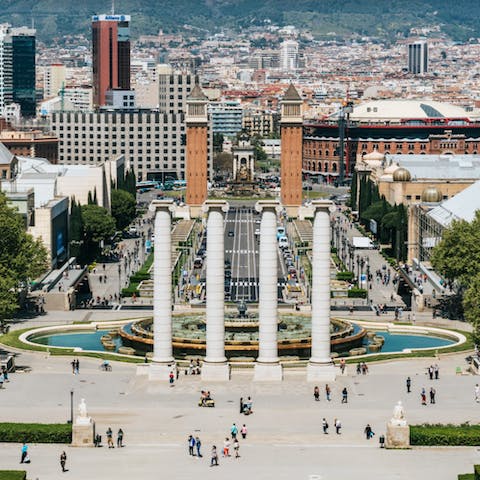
pixel 337 424
pixel 214 457
pixel 5 374
pixel 436 371
pixel 432 395
pixel 423 396
pixel 316 394
pixel 24 457
pixel 325 426
pixel 198 444
pixel 368 432
pixel 73 364
pixel 344 395
pixel 430 372
pixel 120 438
pixel 342 365
pixel 327 392
pixel 226 447
pixel 243 431
pixel 77 366
pixel 233 431
pixel 110 438
pixel 171 378
pixel 236 448
pixel 477 393
pixel 191 445
pixel 409 384
pixel 63 461
pixel 241 404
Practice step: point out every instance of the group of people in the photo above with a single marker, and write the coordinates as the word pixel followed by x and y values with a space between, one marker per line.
pixel 205 398
pixel 423 395
pixel 328 393
pixel 193 368
pixel 433 372
pixel 75 363
pixel 110 443
pixel 362 368
pixel 336 423
pixel 246 406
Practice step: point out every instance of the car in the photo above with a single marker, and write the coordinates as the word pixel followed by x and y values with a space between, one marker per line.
pixel 257 232
pixel 202 252
pixel 132 230
pixel 231 233
pixel 228 264
pixel 228 274
pixel 198 263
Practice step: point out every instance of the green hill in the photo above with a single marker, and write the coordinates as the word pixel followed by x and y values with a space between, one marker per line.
pixel 365 17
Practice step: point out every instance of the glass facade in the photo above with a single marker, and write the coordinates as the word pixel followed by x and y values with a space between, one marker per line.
pixel 23 50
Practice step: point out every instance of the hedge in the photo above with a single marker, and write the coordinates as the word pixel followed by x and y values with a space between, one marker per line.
pixel 36 432
pixel 445 435
pixel 466 476
pixel 357 293
pixel 13 475
pixel 345 276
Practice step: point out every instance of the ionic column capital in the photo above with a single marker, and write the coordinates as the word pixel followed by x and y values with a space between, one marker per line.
pixel 274 205
pixel 220 205
pixel 162 205
pixel 323 206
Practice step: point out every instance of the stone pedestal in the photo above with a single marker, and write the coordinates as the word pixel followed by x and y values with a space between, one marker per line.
pixel 83 434
pixel 215 372
pixel 398 436
pixel 160 372
pixel 321 372
pixel 267 372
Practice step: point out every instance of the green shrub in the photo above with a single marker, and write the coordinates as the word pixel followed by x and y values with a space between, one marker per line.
pixel 345 276
pixel 357 293
pixel 333 250
pixel 13 475
pixel 466 476
pixel 130 290
pixel 36 432
pixel 139 277
pixel 476 469
pixel 446 435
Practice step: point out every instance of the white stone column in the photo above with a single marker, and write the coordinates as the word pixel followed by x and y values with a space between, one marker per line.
pixel 215 366
pixel 267 366
pixel 163 361
pixel 320 366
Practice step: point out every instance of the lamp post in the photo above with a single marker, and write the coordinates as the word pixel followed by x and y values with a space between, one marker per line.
pixel 362 263
pixel 358 271
pixel 71 407
pixel 119 279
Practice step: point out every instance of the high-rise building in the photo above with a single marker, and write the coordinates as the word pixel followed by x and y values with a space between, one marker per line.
pixel 174 89
pixel 418 57
pixel 53 79
pixel 110 55
pixel 289 55
pixel 17 68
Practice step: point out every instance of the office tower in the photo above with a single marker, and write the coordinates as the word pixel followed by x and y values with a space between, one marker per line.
pixel 17 69
pixel 53 79
pixel 110 55
pixel 173 89
pixel 289 55
pixel 6 87
pixel 418 57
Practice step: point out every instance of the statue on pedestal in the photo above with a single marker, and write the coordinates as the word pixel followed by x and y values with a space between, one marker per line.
pixel 82 418
pixel 398 418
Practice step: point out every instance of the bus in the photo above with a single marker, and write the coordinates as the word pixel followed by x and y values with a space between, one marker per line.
pixel 146 185
pixel 280 232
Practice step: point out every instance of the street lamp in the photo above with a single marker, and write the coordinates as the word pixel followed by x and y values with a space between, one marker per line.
pixel 71 407
pixel 358 271
pixel 119 279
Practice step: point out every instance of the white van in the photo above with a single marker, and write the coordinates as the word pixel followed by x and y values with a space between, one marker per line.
pixel 283 242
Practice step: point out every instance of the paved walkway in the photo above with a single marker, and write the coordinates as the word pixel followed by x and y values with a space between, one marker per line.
pixel 285 438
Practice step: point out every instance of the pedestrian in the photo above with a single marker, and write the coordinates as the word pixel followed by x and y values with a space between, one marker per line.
pixel 198 444
pixel 110 438
pixel 214 457
pixel 477 393
pixel 234 431
pixel 191 445
pixel 316 393
pixel 409 384
pixel 359 368
pixel 241 404
pixel 436 371
pixel 226 447
pixel 423 397
pixel 5 373
pixel 236 448
pixel 430 372
pixel 327 392
pixel 24 456
pixel 337 424
pixel 325 426
pixel 432 395
pixel 171 378
pixel 63 461
pixel 243 431
pixel 368 432
pixel 77 366
pixel 73 364
pixel 344 395
pixel 342 365
pixel 120 438
pixel 2 379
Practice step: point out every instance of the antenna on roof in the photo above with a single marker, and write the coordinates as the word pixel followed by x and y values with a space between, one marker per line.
pixel 113 7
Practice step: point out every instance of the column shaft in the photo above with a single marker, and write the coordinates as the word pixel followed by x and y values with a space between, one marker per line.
pixel 321 288
pixel 162 288
pixel 215 287
pixel 267 308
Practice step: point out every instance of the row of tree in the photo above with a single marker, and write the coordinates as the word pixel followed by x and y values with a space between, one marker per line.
pixel 391 220
pixel 22 258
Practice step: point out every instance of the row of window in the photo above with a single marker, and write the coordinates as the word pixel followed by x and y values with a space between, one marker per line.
pixel 119 152
pixel 106 128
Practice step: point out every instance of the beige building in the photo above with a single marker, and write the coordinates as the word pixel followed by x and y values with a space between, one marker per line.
pixel 53 79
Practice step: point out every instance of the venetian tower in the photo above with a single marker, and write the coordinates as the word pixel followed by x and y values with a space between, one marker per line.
pixel 291 156
pixel 196 121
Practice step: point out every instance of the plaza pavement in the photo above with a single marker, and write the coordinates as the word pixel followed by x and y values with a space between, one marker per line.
pixel 285 439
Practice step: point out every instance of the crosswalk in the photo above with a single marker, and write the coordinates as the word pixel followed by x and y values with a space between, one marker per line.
pixel 244 252
pixel 240 283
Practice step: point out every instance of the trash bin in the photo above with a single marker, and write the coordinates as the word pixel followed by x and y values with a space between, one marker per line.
pixel 381 441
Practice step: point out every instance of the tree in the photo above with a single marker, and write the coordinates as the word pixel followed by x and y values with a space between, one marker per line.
pixel 77 231
pixel 471 306
pixel 123 208
pixel 22 258
pixel 223 162
pixel 99 226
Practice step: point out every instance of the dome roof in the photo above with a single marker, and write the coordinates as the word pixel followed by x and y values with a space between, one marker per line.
pixel 391 168
pixel 401 175
pixel 374 156
pixel 431 195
